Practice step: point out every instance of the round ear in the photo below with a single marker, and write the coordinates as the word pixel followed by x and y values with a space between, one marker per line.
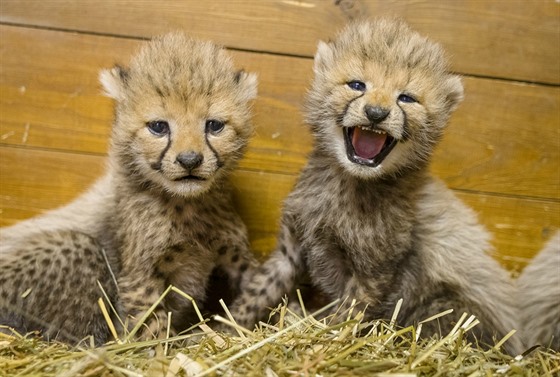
pixel 323 57
pixel 248 83
pixel 455 92
pixel 114 82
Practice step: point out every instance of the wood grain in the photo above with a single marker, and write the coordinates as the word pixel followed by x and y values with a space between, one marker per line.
pixel 519 227
pixel 501 153
pixel 34 181
pixel 515 39
pixel 504 139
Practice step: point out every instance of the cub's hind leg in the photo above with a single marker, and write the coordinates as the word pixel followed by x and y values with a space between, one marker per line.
pixel 488 332
pixel 539 297
pixel 49 283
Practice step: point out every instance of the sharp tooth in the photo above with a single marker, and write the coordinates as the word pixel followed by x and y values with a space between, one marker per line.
pixel 372 130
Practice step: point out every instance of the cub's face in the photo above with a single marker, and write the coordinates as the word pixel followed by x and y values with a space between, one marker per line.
pixel 380 99
pixel 183 115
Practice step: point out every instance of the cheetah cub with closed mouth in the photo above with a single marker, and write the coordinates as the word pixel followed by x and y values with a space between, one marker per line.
pixel 162 215
pixel 366 221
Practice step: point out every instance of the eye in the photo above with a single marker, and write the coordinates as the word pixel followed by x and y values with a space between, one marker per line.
pixel 214 126
pixel 158 127
pixel 407 99
pixel 356 85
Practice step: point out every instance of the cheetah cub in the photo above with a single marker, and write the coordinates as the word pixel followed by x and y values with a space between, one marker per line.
pixel 366 221
pixel 161 215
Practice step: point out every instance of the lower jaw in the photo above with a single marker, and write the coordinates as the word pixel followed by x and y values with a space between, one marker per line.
pixel 373 162
pixel 363 162
pixel 363 172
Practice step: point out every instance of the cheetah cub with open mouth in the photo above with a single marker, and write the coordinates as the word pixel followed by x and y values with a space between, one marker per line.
pixel 366 221
pixel 162 215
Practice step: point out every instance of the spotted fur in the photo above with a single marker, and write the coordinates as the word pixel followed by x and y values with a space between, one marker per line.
pixel 161 215
pixel 366 220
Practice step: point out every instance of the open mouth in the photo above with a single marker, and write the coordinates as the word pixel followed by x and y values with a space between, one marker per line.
pixel 189 178
pixel 366 146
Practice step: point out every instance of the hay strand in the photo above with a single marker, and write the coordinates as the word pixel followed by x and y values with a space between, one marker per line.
pixel 297 345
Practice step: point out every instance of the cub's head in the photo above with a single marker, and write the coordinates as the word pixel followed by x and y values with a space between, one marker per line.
pixel 182 114
pixel 381 98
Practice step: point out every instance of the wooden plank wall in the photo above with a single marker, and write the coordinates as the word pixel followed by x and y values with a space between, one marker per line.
pixel 500 155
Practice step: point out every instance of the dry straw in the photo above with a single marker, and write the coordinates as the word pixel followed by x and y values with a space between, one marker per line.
pixel 297 344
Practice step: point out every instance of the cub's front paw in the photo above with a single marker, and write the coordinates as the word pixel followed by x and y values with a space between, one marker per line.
pixel 156 326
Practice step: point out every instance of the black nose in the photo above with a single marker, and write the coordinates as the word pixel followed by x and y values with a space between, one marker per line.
pixel 189 160
pixel 375 114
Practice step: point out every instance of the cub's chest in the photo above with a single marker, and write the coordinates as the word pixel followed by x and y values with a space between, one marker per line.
pixel 191 223
pixel 160 229
pixel 181 222
pixel 190 251
pixel 341 219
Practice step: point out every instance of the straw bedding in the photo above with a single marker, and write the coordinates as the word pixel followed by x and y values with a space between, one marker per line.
pixel 291 344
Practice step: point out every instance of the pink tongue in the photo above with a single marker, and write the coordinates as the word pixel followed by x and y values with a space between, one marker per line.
pixel 367 144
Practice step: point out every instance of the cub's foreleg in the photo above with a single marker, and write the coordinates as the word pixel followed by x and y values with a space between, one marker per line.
pixel 186 266
pixel 139 290
pixel 235 259
pixel 275 278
